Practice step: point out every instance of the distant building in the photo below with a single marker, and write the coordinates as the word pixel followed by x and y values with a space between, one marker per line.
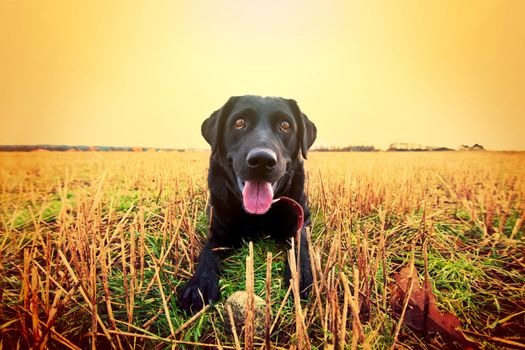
pixel 475 147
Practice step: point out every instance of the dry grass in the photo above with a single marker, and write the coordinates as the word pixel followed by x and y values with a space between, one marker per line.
pixel 94 246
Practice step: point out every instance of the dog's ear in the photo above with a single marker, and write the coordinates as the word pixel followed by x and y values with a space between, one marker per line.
pixel 213 127
pixel 307 132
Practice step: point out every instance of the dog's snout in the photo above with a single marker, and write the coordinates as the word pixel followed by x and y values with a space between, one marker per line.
pixel 261 158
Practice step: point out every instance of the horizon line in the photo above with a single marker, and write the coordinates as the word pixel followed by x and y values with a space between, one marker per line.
pixel 320 148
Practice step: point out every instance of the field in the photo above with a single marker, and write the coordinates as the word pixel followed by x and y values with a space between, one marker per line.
pixel 95 246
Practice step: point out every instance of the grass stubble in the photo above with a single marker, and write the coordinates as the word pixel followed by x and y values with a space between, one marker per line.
pixel 95 246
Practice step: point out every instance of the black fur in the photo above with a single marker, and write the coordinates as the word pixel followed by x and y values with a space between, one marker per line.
pixel 230 222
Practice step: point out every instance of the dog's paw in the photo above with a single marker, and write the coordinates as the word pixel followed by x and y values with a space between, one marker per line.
pixel 200 291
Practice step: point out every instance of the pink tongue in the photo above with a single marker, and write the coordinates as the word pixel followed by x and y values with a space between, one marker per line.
pixel 257 196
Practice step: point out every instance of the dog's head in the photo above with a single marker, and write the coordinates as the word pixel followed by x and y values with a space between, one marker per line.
pixel 258 137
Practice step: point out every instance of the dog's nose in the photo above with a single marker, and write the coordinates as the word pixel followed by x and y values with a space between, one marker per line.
pixel 261 158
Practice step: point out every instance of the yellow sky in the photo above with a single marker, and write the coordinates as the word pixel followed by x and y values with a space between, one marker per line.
pixel 147 73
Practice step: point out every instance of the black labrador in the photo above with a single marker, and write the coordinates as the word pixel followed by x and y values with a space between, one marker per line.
pixel 258 146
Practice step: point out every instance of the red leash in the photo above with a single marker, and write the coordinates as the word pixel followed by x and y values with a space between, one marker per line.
pixel 298 209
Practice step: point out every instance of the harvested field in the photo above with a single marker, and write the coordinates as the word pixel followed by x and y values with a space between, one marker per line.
pixel 94 247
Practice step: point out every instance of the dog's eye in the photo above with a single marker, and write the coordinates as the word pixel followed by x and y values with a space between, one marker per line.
pixel 240 123
pixel 284 126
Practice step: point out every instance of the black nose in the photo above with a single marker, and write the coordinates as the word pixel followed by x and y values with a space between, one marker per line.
pixel 261 158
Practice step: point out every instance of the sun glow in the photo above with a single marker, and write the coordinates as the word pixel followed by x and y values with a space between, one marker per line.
pixel 439 73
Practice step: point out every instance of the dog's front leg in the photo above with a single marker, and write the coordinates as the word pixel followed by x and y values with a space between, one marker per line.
pixel 305 275
pixel 203 287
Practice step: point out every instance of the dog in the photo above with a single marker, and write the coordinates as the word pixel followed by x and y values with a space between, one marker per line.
pixel 258 145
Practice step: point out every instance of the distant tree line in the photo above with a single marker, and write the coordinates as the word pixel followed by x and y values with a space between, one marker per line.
pixel 398 147
pixel 394 147
pixel 414 147
pixel 346 149
pixel 64 148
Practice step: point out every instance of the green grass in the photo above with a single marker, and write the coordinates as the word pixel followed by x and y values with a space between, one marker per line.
pixel 115 221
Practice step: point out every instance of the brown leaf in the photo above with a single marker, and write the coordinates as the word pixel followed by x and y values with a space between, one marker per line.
pixel 418 316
